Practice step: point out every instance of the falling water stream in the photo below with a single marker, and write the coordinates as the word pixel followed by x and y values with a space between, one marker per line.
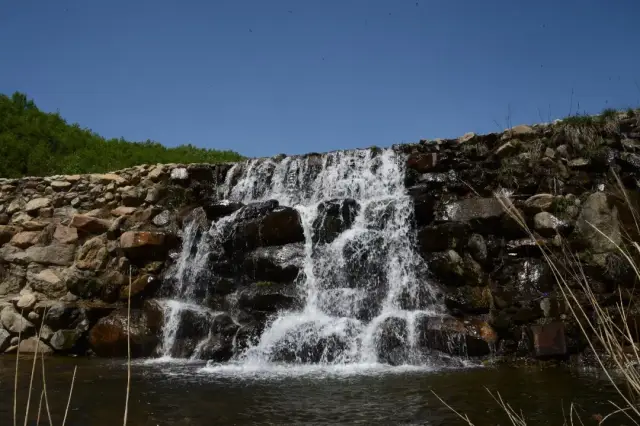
pixel 368 280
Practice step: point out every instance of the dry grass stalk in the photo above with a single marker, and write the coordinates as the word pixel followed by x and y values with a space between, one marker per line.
pixel 66 411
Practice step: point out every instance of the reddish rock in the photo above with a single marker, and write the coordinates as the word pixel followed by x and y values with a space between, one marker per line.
pixel 123 211
pixel 92 225
pixel 108 338
pixel 144 244
pixel 549 340
pixel 25 239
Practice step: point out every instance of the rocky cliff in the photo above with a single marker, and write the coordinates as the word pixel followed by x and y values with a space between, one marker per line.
pixel 73 249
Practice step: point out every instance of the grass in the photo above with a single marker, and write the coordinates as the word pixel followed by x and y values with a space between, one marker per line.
pixel 608 333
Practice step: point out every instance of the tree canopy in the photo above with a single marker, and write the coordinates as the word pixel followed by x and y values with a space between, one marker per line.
pixel 36 143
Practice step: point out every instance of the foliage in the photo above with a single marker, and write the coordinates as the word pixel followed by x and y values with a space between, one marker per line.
pixel 35 143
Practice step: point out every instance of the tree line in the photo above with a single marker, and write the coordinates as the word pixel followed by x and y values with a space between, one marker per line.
pixel 36 143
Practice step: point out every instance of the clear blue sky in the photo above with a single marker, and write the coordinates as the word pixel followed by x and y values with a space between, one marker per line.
pixel 266 76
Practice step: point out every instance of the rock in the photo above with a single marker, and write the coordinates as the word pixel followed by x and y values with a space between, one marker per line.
pixel 547 224
pixel 25 239
pixel 14 322
pixel 26 302
pixel 422 163
pixel 156 173
pixel 34 225
pixel 597 218
pixel 267 297
pixel 5 340
pixel 105 179
pixel 65 340
pixel 133 197
pixel 55 254
pixel 278 227
pixel 123 211
pixel 469 300
pixel 507 149
pixel 108 338
pixel 549 340
pixel 6 233
pixel 12 278
pixel 65 235
pixel 333 218
pixel 452 336
pixel 477 247
pixel 142 285
pixel 466 137
pixel 143 244
pixel 33 316
pixel 162 219
pixel 477 211
pixel 520 130
pixel 15 206
pixel 276 264
pixel 93 254
pixel 68 316
pixel 218 209
pixel 155 194
pixel 579 163
pixel 83 283
pixel 391 342
pixel 33 345
pixel 539 202
pixel 48 283
pixel 90 224
pixel 36 204
pixel 59 185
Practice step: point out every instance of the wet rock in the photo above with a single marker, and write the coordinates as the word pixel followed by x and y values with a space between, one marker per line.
pixel 14 322
pixel 90 224
pixel 522 282
pixel 424 204
pixel 276 264
pixel 33 345
pixel 547 224
pixel 162 219
pixel 267 297
pixel 108 338
pixel 598 217
pixel 477 247
pixel 333 218
pixel 469 300
pixel 442 237
pixel 93 255
pixel 278 227
pixel 218 209
pixel 454 337
pixel 422 162
pixel 391 341
pixel 65 340
pixel 549 340
pixel 141 286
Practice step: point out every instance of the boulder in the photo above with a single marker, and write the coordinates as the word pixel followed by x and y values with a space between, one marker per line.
pixel 6 233
pixel 479 212
pixel 267 297
pixel 142 285
pixel 549 340
pixel 468 300
pixel 441 237
pixel 36 204
pixel 276 264
pixel 12 278
pixel 391 341
pixel 108 338
pixel 65 340
pixel 5 340
pixel 65 235
pixel 333 218
pixel 83 283
pixel 133 197
pixel 55 254
pixel 144 244
pixel 33 345
pixel 455 337
pixel 25 239
pixel 93 255
pixel 596 218
pixel 422 162
pixel 218 209
pixel 14 322
pixel 59 185
pixel 477 247
pixel 547 224
pixel 26 302
pixel 48 282
pixel 162 219
pixel 259 226
pixel 539 202
pixel 90 224
pixel 123 211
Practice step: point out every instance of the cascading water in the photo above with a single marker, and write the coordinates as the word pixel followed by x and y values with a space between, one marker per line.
pixel 363 286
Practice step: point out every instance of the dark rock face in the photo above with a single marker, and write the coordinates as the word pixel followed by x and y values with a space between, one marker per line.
pixel 392 345
pixel 334 217
pixel 279 264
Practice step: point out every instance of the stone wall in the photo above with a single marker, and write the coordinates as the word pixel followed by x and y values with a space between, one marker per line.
pixel 74 248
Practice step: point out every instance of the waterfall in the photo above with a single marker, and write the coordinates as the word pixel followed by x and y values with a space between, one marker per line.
pixel 362 289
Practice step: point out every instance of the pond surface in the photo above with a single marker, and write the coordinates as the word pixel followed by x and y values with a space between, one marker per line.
pixel 189 394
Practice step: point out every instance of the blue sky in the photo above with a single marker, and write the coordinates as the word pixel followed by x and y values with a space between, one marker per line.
pixel 267 76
